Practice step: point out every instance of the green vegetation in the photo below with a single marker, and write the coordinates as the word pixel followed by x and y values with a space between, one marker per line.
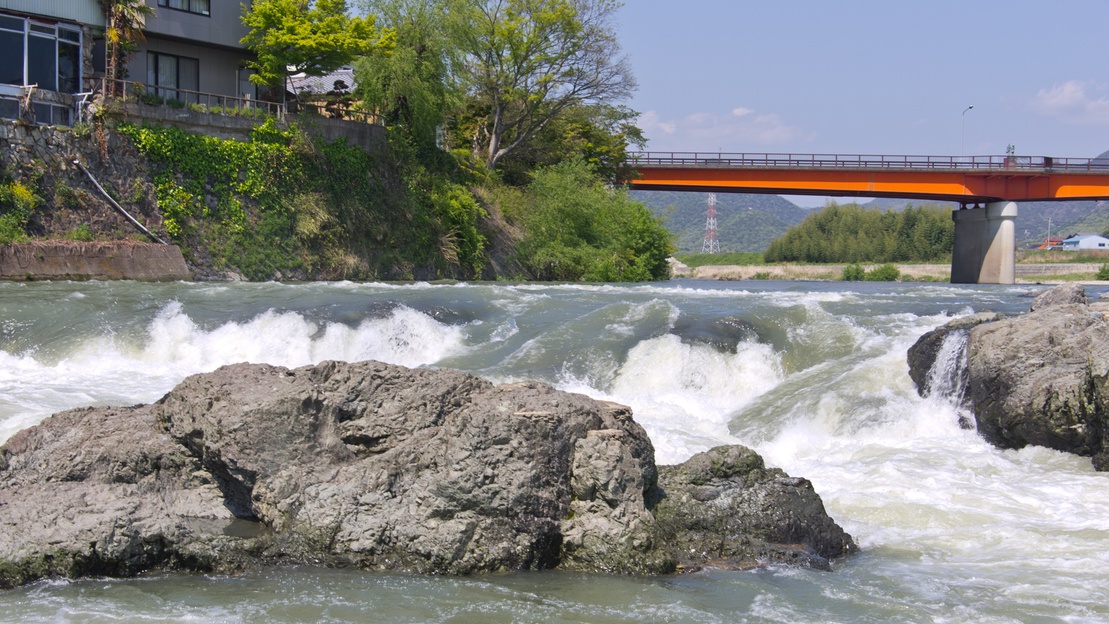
pixel 282 204
pixel 1103 273
pixel 123 32
pixel 17 203
pixel 853 273
pixel 885 273
pixel 1090 256
pixel 578 229
pixel 314 38
pixel 851 233
pixel 731 259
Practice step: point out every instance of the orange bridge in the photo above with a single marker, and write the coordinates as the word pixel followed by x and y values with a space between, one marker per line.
pixel 963 179
pixel 987 188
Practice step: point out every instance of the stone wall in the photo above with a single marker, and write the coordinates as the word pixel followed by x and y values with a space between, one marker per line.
pixel 41 260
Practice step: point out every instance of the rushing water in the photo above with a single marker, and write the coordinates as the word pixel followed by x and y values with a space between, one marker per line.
pixel 812 375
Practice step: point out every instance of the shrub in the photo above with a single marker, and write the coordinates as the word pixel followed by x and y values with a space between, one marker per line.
pixel 853 273
pixel 17 202
pixel 884 273
pixel 81 233
pixel 578 229
pixel 1103 273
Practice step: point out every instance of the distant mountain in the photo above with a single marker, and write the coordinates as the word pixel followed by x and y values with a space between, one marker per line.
pixel 743 222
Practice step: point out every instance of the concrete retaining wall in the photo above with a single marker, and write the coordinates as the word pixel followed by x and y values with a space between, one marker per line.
pixel 43 260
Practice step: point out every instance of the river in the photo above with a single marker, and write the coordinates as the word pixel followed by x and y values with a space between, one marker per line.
pixel 810 374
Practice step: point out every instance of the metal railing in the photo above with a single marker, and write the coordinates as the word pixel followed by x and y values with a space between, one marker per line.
pixel 198 101
pixel 232 106
pixel 861 161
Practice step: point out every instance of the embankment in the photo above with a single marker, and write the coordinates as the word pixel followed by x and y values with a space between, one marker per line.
pixel 41 260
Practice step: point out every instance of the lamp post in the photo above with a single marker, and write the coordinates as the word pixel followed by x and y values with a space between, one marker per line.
pixel 962 128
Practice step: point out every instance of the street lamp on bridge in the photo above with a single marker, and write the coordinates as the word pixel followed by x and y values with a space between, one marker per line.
pixel 962 128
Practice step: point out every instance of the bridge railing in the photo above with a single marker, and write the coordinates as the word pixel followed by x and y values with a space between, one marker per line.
pixel 865 161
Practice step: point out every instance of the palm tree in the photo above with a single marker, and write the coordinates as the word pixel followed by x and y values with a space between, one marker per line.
pixel 125 19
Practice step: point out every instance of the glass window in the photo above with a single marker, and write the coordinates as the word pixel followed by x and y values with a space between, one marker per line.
pixel 42 62
pixel 46 55
pixel 69 67
pixel 11 23
pixel 169 72
pixel 9 109
pixel 11 48
pixel 200 7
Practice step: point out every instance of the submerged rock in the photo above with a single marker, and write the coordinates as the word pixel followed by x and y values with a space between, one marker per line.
pixel 384 467
pixel 1040 378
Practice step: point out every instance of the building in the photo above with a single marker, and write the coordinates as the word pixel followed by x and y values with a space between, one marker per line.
pixel 50 45
pixel 53 52
pixel 193 46
pixel 1082 242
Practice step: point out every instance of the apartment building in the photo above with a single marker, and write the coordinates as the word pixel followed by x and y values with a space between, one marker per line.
pixel 193 45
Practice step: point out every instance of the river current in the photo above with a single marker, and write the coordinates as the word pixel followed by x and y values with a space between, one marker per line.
pixel 812 375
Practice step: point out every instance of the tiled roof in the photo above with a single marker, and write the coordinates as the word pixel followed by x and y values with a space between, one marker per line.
pixel 323 84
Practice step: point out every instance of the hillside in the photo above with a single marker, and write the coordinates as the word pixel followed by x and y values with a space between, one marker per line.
pixel 743 222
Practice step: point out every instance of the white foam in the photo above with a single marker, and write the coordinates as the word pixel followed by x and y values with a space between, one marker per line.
pixel 109 369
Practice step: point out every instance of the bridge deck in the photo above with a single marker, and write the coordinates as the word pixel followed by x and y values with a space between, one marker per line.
pixel 969 179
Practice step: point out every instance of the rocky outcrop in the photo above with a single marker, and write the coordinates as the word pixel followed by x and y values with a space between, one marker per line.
pixel 924 354
pixel 1040 378
pixel 383 467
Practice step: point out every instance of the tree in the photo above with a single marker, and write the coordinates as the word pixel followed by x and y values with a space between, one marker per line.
pixel 527 61
pixel 600 133
pixel 310 36
pixel 413 88
pixel 577 228
pixel 124 20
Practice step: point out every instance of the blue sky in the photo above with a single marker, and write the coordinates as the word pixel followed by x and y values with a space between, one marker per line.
pixel 871 77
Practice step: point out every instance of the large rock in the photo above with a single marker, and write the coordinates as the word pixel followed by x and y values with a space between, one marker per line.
pixel 384 467
pixel 1040 378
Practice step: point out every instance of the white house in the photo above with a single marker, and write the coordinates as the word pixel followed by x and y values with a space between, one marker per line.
pixel 1085 241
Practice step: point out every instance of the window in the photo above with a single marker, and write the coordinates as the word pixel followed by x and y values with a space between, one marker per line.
pixel 200 7
pixel 166 73
pixel 48 55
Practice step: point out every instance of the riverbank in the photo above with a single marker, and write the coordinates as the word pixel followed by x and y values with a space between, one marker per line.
pixel 1025 273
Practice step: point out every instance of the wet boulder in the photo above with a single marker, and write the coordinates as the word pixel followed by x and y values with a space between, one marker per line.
pixel 1041 378
pixel 383 467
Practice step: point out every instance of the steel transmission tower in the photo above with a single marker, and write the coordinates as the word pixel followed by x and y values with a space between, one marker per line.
pixel 711 245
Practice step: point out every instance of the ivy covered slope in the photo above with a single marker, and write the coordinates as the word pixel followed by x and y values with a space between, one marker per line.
pixel 283 205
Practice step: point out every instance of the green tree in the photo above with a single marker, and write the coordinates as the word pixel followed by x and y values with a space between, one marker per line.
pixel 310 36
pixel 528 61
pixel 599 133
pixel 578 228
pixel 851 233
pixel 124 20
pixel 413 88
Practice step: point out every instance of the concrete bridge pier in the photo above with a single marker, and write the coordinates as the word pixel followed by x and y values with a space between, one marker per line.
pixel 985 244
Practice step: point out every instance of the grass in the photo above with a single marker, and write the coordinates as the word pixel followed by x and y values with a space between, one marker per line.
pixel 729 259
pixel 1062 257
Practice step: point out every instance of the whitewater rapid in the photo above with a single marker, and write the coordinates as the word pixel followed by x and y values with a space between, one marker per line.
pixel 811 375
